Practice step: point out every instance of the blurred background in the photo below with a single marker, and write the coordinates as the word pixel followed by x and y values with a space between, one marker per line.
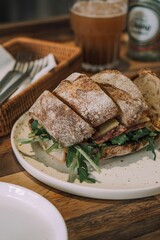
pixel 25 10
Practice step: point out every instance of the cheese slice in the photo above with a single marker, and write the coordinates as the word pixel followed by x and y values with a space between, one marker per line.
pixel 106 127
pixel 144 119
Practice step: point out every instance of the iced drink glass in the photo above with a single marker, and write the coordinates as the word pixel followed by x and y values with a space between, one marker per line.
pixel 98 25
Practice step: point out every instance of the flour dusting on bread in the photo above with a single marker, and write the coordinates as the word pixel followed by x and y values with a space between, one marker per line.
pixel 149 85
pixel 86 98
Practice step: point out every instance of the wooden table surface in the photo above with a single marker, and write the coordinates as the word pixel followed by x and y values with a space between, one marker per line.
pixel 85 218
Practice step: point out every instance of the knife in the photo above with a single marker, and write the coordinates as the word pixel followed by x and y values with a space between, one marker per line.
pixel 7 91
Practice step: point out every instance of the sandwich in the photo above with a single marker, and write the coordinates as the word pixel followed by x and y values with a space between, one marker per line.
pixel 86 120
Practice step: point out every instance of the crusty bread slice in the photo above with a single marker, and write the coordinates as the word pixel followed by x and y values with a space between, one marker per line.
pixel 59 120
pixel 124 93
pixel 87 99
pixel 115 151
pixel 149 85
pixel 74 76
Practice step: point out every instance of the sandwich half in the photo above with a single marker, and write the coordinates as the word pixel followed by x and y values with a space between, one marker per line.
pixel 135 130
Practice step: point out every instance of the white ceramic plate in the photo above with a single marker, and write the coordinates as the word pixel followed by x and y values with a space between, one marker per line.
pixel 26 215
pixel 133 176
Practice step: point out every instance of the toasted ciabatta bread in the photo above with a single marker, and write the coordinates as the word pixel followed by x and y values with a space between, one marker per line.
pixel 59 120
pixel 124 93
pixel 149 85
pixel 115 151
pixel 87 99
pixel 74 76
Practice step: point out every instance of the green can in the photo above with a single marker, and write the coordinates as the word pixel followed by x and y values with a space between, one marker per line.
pixel 143 27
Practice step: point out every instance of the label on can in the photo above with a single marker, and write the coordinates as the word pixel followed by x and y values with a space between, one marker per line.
pixel 143 24
pixel 144 30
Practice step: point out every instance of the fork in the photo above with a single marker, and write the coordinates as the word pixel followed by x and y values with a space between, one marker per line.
pixel 12 76
pixel 36 67
pixel 32 69
pixel 20 67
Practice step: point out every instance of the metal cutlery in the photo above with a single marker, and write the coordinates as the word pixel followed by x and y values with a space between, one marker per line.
pixel 20 67
pixel 26 72
pixel 13 76
pixel 7 91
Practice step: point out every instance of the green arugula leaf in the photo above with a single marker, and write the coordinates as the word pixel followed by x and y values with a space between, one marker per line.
pixel 55 146
pixel 37 134
pixel 92 150
pixel 71 155
pixel 120 140
pixel 27 140
pixel 140 133
pixel 150 146
pixel 88 148
pixel 73 171
pixel 90 180
pixel 82 170
pixel 87 157
pixel 34 125
pixel 77 163
pixel 37 130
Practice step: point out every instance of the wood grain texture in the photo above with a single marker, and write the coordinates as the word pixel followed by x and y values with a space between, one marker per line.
pixel 8 163
pixel 153 235
pixel 86 219
pixel 125 220
pixel 97 219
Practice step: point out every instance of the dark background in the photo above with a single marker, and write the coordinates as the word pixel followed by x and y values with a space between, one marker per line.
pixel 25 10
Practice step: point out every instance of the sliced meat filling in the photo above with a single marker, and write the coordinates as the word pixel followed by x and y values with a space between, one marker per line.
pixel 112 133
pixel 116 132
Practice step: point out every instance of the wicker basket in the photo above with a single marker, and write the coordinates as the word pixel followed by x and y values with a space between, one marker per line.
pixel 69 60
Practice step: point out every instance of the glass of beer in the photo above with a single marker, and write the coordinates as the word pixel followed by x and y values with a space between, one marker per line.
pixel 98 25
